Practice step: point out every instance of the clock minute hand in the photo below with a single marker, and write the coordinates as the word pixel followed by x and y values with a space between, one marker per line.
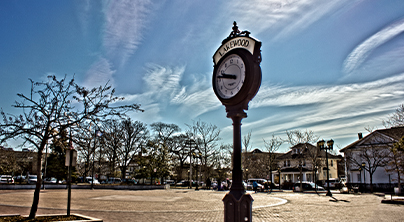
pixel 227 76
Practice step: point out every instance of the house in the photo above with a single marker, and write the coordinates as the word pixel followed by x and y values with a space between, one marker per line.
pixel 256 164
pixel 287 165
pixel 368 158
pixel 312 161
pixel 18 162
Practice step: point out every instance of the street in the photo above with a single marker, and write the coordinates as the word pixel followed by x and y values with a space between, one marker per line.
pixel 191 205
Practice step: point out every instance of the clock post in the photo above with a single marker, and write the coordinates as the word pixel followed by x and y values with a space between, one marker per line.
pixel 236 80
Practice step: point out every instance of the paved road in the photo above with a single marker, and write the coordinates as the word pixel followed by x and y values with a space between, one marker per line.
pixel 189 205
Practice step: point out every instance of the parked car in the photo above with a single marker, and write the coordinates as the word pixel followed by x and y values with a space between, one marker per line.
pixel 334 183
pixel 6 179
pixel 52 180
pixel 306 186
pixel 19 178
pixel 183 183
pixel 89 180
pixel 32 179
pixel 260 183
pixel 170 182
pixel 114 180
pixel 129 181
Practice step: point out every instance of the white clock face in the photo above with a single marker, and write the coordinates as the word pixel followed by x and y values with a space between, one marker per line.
pixel 230 76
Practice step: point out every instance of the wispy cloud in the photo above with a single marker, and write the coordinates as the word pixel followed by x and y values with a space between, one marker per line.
pixel 327 110
pixel 280 16
pixel 124 23
pixel 99 74
pixel 363 51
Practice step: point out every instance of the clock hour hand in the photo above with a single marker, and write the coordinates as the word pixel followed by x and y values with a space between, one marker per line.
pixel 227 76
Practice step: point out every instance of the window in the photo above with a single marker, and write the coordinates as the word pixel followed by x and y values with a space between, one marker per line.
pixel 304 162
pixel 359 177
pixel 288 162
pixel 332 163
pixel 284 163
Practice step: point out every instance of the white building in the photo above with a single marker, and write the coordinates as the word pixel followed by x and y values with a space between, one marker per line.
pixel 368 158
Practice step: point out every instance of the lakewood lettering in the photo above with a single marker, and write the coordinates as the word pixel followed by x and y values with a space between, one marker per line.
pixel 235 44
pixel 238 42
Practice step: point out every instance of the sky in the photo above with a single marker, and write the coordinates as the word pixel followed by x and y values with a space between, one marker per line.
pixel 333 67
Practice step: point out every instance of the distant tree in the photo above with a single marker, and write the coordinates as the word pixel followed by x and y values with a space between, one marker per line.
pixel 301 137
pixel 113 140
pixel 222 161
pixel 52 106
pixel 56 159
pixel 271 146
pixel 162 144
pixel 179 152
pixel 395 119
pixel 134 135
pixel 246 141
pixel 8 161
pixel 395 162
pixel 373 155
pixel 207 136
pixel 84 138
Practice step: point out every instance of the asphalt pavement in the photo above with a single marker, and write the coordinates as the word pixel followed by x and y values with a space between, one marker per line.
pixel 190 205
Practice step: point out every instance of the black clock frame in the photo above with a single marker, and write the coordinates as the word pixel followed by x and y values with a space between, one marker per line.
pixel 252 79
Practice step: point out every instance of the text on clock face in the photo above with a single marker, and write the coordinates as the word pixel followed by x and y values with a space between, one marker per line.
pixel 231 75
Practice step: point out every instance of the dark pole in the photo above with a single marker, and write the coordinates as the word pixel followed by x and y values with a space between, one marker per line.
pixel 279 172
pixel 328 176
pixel 237 188
pixel 364 177
pixel 237 204
pixel 69 191
pixel 92 176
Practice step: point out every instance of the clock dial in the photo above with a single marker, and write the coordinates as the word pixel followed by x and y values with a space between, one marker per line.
pixel 230 76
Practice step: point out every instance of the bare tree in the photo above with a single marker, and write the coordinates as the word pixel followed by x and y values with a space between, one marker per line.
pixel 373 156
pixel 50 108
pixel 112 143
pixel 160 146
pixel 134 135
pixel 272 145
pixel 395 119
pixel 301 137
pixel 246 141
pixel 206 135
pixel 395 162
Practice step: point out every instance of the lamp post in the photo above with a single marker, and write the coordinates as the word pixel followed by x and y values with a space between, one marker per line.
pixel 315 177
pixel 329 146
pixel 360 175
pixel 364 177
pixel 279 175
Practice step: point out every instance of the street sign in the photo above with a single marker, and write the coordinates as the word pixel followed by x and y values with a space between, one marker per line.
pixel 68 154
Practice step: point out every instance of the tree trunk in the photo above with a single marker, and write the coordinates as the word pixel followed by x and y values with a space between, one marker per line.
pixel 371 182
pixel 38 184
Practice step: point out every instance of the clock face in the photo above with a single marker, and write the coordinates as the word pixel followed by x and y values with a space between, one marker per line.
pixel 230 76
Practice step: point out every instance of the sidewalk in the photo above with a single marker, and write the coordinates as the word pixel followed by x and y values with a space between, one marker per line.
pixel 191 205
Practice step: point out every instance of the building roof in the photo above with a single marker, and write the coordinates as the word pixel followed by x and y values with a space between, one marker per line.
pixel 394 134
pixel 306 147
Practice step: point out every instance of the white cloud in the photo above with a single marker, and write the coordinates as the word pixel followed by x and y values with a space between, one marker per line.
pixel 281 16
pixel 99 74
pixel 363 51
pixel 124 22
pixel 330 111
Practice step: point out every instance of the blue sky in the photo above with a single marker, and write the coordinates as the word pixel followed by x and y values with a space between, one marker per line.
pixel 333 67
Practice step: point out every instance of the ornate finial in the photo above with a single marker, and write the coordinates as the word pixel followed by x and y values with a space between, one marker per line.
pixel 235 29
pixel 236 32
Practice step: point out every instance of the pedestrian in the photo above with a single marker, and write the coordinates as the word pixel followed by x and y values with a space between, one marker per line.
pixel 208 184
pixel 255 186
pixel 266 186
